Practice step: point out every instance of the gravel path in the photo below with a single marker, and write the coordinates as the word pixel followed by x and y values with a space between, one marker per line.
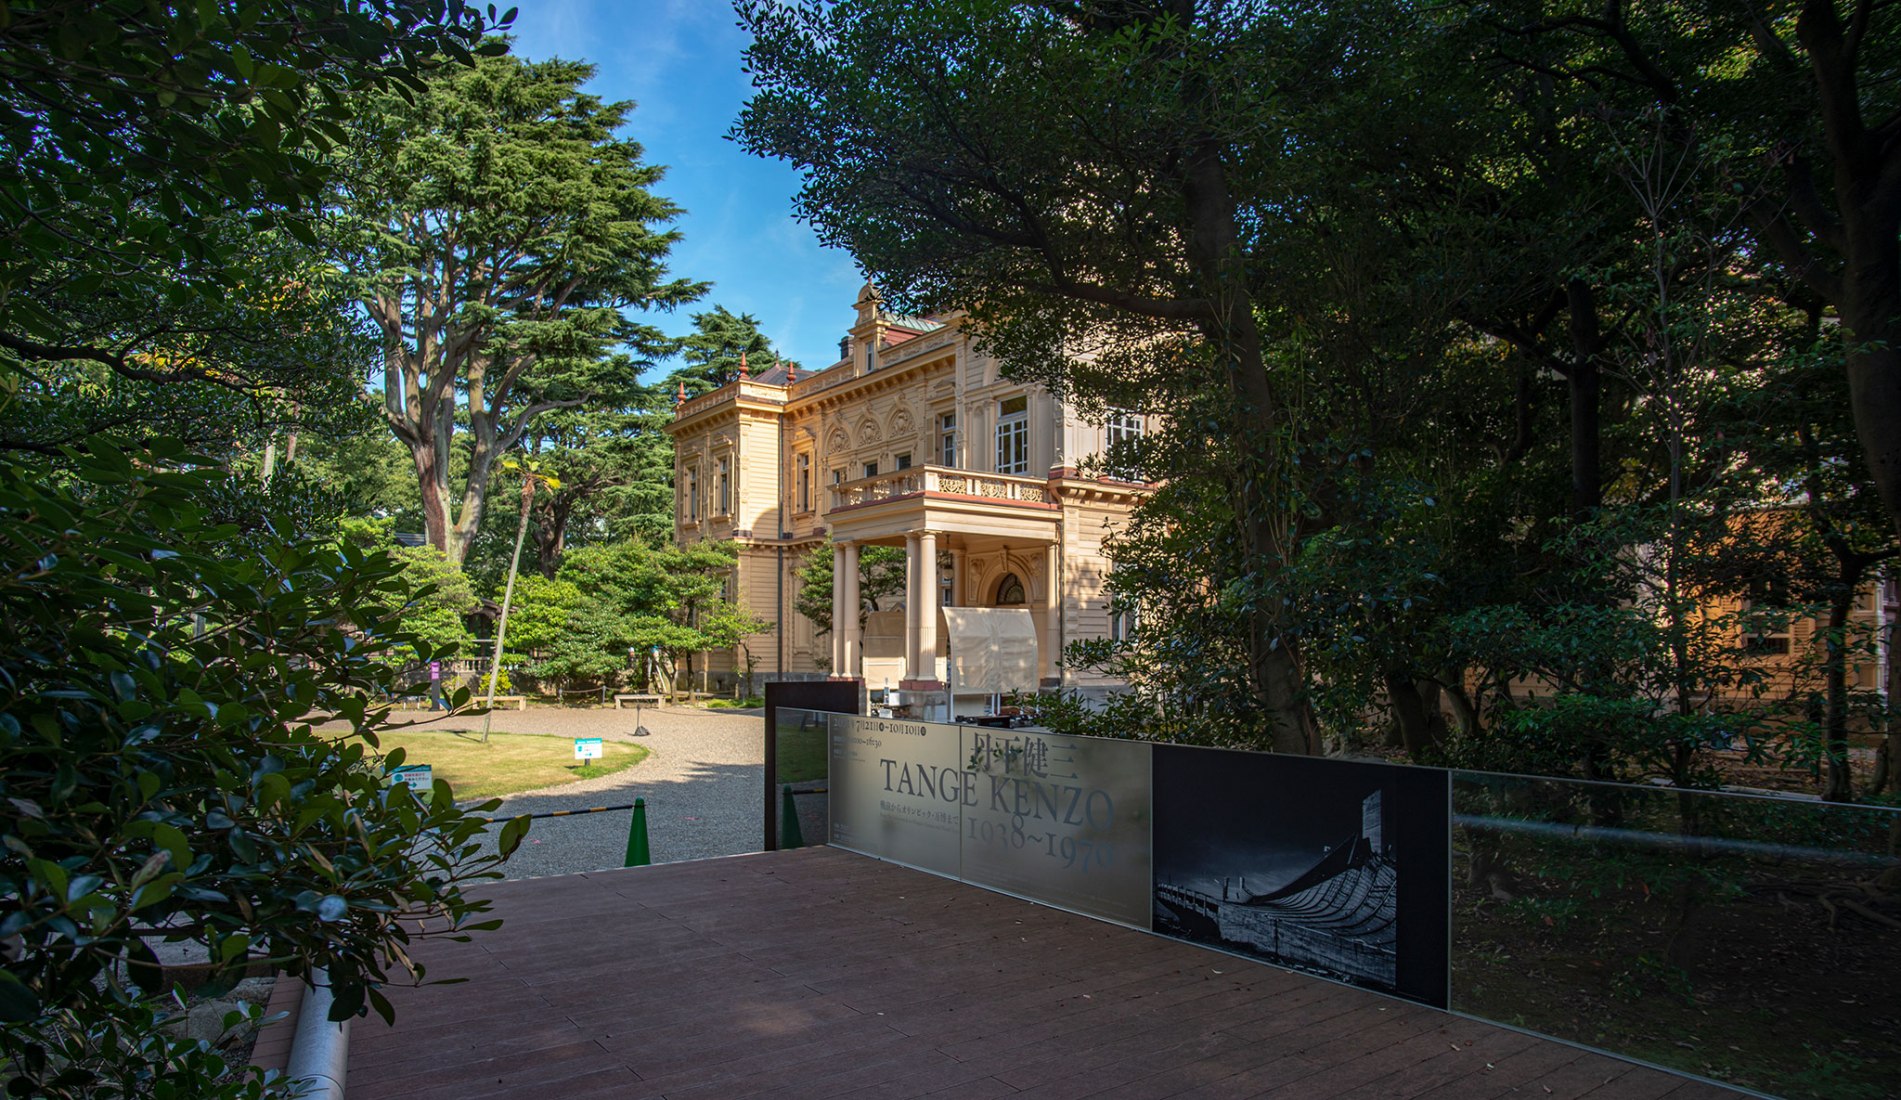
pixel 702 786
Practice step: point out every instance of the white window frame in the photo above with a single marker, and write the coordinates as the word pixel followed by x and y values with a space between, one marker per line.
pixel 1776 641
pixel 804 463
pixel 947 439
pixel 1122 426
pixel 1122 624
pixel 1013 436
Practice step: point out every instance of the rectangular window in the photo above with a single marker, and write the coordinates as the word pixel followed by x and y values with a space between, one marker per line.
pixel 871 361
pixel 1766 622
pixel 805 483
pixel 947 440
pixel 1013 436
pixel 871 469
pixel 904 461
pixel 1124 432
pixel 691 503
pixel 725 487
pixel 1122 625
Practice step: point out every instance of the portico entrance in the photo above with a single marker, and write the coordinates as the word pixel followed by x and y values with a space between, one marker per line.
pixel 970 540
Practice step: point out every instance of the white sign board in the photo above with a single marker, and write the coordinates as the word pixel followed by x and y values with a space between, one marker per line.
pixel 587 748
pixel 418 777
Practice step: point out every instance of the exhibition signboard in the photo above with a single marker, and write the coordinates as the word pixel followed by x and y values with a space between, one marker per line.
pixel 1061 820
pixel 897 790
pixel 1337 868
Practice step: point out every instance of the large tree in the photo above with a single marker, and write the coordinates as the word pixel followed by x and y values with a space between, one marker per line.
pixel 159 166
pixel 612 458
pixel 497 226
pixel 1066 168
pixel 722 344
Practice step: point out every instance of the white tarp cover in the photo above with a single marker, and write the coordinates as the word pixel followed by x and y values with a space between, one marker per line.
pixel 992 649
pixel 884 634
pixel 882 661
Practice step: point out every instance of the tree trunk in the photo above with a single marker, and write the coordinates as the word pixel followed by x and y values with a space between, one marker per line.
pixel 1841 783
pixel 433 487
pixel 1874 388
pixel 1213 250
pixel 1463 708
pixel 1421 730
pixel 1888 765
pixel 551 530
pixel 1586 396
pixel 1865 166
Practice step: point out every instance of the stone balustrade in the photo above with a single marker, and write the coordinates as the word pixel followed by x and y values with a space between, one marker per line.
pixel 940 479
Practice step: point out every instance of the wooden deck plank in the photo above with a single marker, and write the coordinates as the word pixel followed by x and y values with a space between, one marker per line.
pixel 818 973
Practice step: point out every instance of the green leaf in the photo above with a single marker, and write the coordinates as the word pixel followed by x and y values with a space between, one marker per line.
pixel 18 1003
pixel 511 835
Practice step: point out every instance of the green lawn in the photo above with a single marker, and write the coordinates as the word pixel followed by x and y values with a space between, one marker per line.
pixel 508 763
pixel 801 752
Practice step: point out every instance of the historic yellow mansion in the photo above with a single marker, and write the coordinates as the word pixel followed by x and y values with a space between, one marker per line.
pixel 911 439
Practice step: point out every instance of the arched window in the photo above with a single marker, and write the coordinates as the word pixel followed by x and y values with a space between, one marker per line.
pixel 1010 591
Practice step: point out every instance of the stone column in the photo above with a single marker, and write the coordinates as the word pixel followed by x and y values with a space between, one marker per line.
pixel 911 602
pixel 927 606
pixel 853 631
pixel 1052 614
pixel 838 609
pixel 958 596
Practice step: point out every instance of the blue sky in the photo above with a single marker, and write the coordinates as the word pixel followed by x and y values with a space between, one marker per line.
pixel 679 61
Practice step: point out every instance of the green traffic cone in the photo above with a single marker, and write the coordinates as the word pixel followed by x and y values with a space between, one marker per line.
pixel 789 834
pixel 637 853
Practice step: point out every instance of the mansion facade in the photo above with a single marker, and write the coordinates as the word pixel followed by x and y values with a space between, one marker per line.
pixel 912 439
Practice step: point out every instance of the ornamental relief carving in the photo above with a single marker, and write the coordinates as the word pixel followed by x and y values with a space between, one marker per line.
pixel 868 432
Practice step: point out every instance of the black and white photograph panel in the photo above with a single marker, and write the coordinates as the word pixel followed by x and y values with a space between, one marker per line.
pixel 1336 868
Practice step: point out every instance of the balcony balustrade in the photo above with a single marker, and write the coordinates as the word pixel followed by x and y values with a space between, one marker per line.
pixel 1002 488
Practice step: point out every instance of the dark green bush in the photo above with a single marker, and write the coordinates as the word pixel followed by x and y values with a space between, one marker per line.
pixel 161 678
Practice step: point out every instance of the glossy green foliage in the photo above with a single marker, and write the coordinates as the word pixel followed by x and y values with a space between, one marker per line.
pixel 90 1056
pixel 1547 296
pixel 161 677
pixel 143 146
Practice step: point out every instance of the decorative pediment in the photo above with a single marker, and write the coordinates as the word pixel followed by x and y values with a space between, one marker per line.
pixel 868 432
pixel 901 424
pixel 836 441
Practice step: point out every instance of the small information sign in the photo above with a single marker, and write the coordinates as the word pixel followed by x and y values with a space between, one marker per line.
pixel 587 748
pixel 418 777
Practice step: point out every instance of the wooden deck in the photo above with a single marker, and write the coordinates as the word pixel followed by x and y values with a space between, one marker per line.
pixel 817 973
